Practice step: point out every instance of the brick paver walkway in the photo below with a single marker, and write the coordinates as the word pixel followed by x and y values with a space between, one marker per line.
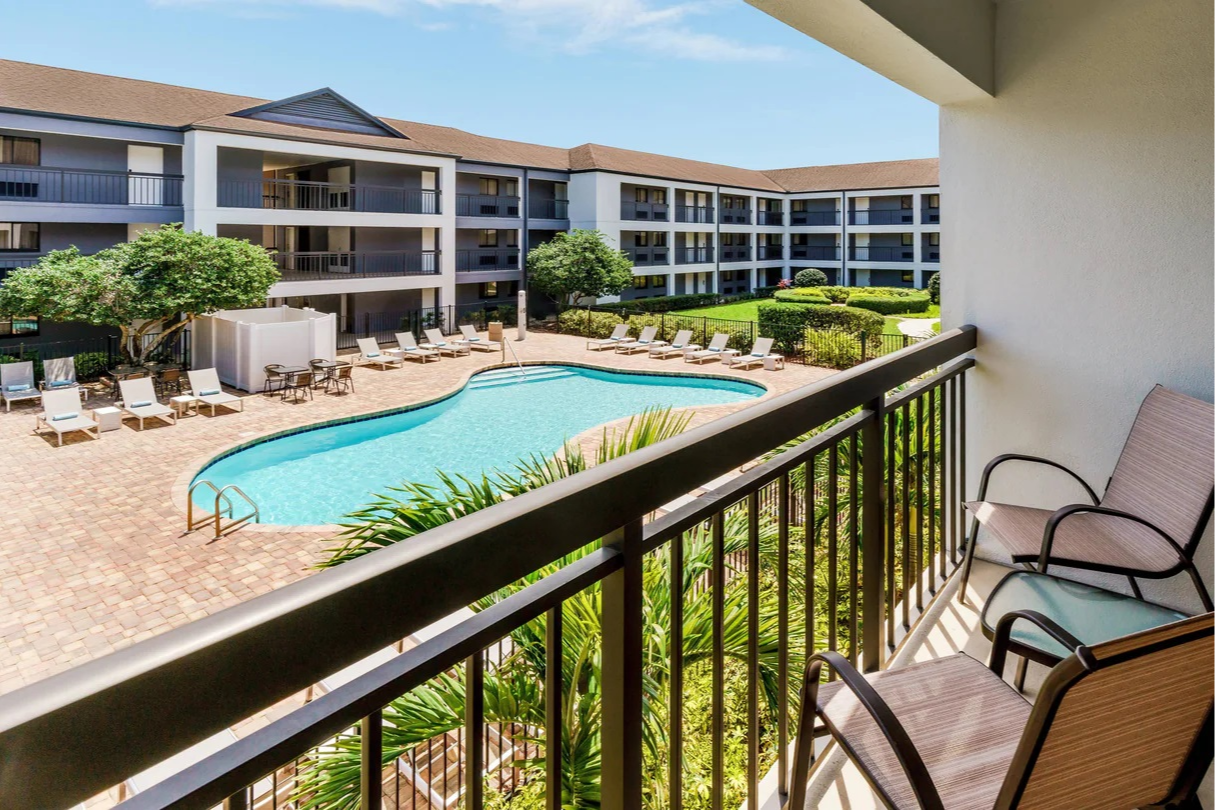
pixel 93 555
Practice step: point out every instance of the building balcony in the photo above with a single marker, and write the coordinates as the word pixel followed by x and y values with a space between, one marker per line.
pixel 645 211
pixel 820 253
pixel 549 209
pixel 649 256
pixel 767 253
pixel 882 253
pixel 690 255
pixel 770 218
pixel 304 195
pixel 486 205
pixel 930 216
pixel 46 184
pixel 814 217
pixel 736 216
pixel 482 259
pixel 896 216
pixel 736 253
pixel 340 265
pixel 932 255
pixel 700 214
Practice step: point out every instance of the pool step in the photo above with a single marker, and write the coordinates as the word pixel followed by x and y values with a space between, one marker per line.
pixel 514 376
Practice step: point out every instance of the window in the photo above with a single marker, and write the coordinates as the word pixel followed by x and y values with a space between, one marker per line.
pixel 658 282
pixel 908 277
pixel 20 151
pixel 489 186
pixel 641 282
pixel 641 239
pixel 934 239
pixel 21 236
pixel 512 239
pixel 799 239
pixel 934 200
pixel 561 191
pixel 489 290
pixel 727 275
pixel 510 188
pixel 658 239
pixel 906 203
pixel 798 206
pixel 18 325
pixel 487 238
pixel 908 239
pixel 658 195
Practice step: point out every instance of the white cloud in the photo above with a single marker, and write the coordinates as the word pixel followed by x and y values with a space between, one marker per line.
pixel 573 26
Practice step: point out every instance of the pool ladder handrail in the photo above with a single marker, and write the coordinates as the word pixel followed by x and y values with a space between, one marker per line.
pixel 218 515
pixel 518 362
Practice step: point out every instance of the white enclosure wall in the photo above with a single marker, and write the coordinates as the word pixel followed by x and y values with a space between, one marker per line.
pixel 241 343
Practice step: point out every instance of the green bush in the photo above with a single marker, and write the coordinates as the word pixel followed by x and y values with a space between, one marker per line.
pixel 92 365
pixel 810 277
pixel 742 333
pixel 588 324
pixel 837 295
pixel 934 288
pixel 802 295
pixel 787 322
pixel 832 349
pixel 889 304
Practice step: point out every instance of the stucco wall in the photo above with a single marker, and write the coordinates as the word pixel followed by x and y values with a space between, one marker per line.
pixel 1077 234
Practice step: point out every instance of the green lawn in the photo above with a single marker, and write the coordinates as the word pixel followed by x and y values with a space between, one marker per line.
pixel 739 311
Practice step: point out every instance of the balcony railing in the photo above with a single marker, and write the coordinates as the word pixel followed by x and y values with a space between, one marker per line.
pixel 897 216
pixel 770 218
pixel 319 265
pixel 645 211
pixel 822 253
pixel 931 254
pixel 549 209
pixel 306 195
pixel 770 252
pixel 883 253
pixel 487 259
pixel 814 217
pixel 736 253
pixel 44 184
pixel 694 213
pixel 486 205
pixel 736 216
pixel 930 215
pixel 649 256
pixel 689 255
pixel 868 501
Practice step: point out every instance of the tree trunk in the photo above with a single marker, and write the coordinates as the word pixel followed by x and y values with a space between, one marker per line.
pixel 135 347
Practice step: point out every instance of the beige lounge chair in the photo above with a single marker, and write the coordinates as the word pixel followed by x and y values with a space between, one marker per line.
pixel 60 373
pixel 436 341
pixel 139 400
pixel 63 412
pixel 680 345
pixel 17 383
pixel 204 384
pixel 1153 514
pixel 716 350
pixel 1121 724
pixel 407 346
pixel 371 354
pixel 619 335
pixel 475 341
pixel 760 352
pixel 643 343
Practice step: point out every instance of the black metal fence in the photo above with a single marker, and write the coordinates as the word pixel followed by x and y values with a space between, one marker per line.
pixel 383 326
pixel 94 355
pixel 88 186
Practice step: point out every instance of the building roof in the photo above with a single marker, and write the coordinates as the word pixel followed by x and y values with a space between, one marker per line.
pixel 59 91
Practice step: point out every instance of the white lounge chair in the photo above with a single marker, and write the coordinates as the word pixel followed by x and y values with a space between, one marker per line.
pixel 475 341
pixel 407 346
pixel 715 351
pixel 60 373
pixel 436 341
pixel 760 352
pixel 204 384
pixel 680 345
pixel 17 383
pixel 372 354
pixel 139 400
pixel 643 343
pixel 63 412
pixel 619 335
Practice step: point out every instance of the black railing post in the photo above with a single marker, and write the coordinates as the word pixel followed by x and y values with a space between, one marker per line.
pixel 371 763
pixel 623 688
pixel 873 497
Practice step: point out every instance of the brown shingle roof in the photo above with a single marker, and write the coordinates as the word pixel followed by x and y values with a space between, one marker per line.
pixel 38 88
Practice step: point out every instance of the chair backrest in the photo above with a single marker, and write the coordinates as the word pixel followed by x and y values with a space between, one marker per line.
pixel 204 379
pixel 344 372
pixel 368 347
pixel 313 362
pixel 138 390
pixel 272 370
pixel 467 331
pixel 762 346
pixel 435 336
pixel 647 334
pixel 1122 724
pixel 65 400
pixel 682 338
pixel 61 370
pixel 620 331
pixel 406 340
pixel 170 375
pixel 1165 473
pixel 719 341
pixel 302 380
pixel 17 374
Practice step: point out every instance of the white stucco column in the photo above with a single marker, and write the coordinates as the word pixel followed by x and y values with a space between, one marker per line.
pixel 200 165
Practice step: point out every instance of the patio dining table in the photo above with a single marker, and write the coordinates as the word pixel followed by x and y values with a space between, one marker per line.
pixel 153 370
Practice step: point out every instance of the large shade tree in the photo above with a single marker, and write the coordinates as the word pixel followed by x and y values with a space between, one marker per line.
pixel 579 264
pixel 149 288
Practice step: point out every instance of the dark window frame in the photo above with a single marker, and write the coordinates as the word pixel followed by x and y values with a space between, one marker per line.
pixel 8 149
pixel 38 241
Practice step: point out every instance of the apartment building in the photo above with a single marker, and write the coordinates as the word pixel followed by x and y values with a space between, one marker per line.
pixel 366 214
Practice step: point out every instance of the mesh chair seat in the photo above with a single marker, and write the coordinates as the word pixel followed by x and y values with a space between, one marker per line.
pixel 1085 537
pixel 963 719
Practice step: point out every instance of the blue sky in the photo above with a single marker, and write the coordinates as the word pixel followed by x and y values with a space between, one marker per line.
pixel 713 80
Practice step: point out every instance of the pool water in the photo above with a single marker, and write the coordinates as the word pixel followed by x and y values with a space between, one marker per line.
pixel 319 476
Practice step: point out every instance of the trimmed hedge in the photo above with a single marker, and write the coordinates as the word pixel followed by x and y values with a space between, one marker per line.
pixel 588 324
pixel 810 277
pixel 787 322
pixel 802 295
pixel 934 288
pixel 890 304
pixel 670 303
pixel 837 295
pixel 831 349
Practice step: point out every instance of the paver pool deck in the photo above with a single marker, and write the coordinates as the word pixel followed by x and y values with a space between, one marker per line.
pixel 93 552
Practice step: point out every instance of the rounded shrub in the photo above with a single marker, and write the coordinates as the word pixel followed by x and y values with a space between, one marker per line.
pixel 588 324
pixel 837 295
pixel 934 288
pixel 832 349
pixel 802 295
pixel 810 277
pixel 890 304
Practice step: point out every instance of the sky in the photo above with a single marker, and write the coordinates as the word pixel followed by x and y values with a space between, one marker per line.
pixel 713 80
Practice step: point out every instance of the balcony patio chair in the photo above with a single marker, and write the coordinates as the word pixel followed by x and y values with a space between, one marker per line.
pixel 274 379
pixel 643 343
pixel 139 400
pixel 407 347
pixel 371 354
pixel 168 382
pixel 436 342
pixel 1122 724
pixel 17 383
pixel 475 341
pixel 59 373
pixel 682 344
pixel 299 384
pixel 619 335
pixel 204 383
pixel 1155 509
pixel 716 350
pixel 760 354
pixel 63 412
pixel 341 378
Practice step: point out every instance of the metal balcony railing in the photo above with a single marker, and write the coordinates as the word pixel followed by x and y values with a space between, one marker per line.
pixel 874 481
pixel 822 253
pixel 883 253
pixel 931 254
pixel 645 211
pixel 814 217
pixel 549 209
pixel 649 256
pixel 486 205
pixel 770 252
pixel 930 215
pixel 701 214
pixel 306 195
pixel 736 253
pixel 320 265
pixel 736 216
pixel 487 259
pixel 897 216
pixel 688 255
pixel 771 218
pixel 46 184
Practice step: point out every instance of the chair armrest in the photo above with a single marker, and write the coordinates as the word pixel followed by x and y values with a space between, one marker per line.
pixel 999 645
pixel 900 742
pixel 1052 525
pixel 998 460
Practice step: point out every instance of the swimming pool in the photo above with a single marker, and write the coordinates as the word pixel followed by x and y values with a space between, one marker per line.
pixel 319 475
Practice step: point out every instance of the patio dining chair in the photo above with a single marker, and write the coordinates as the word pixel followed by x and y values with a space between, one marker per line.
pixel 275 379
pixel 1148 524
pixel 168 381
pixel 340 378
pixel 1120 725
pixel 297 385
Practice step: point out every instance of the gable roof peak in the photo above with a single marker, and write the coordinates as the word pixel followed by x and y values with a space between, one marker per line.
pixel 324 108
